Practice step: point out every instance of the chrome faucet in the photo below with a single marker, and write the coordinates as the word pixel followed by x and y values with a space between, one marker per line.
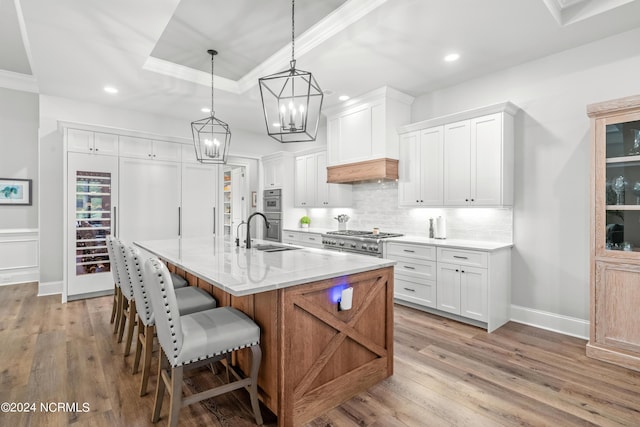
pixel 238 233
pixel 249 226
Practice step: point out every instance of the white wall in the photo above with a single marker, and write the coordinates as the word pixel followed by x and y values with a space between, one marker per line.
pixel 54 109
pixel 551 209
pixel 18 159
pixel 19 145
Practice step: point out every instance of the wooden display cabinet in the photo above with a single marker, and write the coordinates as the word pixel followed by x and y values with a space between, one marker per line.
pixel 615 232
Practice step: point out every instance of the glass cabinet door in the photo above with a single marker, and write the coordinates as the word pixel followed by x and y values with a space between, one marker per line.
pixel 622 187
pixel 93 221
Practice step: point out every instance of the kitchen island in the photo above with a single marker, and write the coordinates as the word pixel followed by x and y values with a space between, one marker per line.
pixel 315 356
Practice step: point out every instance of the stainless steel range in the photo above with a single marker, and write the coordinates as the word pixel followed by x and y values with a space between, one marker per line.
pixel 360 242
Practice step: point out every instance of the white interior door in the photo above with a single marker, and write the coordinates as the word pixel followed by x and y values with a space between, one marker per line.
pixel 199 207
pixel 238 206
pixel 92 198
pixel 149 199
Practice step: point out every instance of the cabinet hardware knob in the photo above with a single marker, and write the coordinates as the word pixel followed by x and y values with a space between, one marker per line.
pixel 409 267
pixel 457 270
pixel 421 201
pixel 90 149
pixel 408 250
pixel 96 149
pixel 472 200
pixel 460 257
pixel 409 289
pixel 466 200
pixel 461 271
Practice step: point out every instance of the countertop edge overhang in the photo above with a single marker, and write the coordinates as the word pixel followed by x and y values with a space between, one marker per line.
pixel 194 260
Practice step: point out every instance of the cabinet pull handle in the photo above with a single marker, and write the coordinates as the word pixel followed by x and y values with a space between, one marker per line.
pixel 312 238
pixel 179 221
pixel 460 257
pixel 214 220
pixel 115 219
pixel 409 267
pixel 409 289
pixel 409 250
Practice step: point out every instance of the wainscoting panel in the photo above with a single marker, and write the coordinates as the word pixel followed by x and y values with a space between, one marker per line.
pixel 19 262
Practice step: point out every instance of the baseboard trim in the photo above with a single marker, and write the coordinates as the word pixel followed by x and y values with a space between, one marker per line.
pixel 49 288
pixel 18 277
pixel 550 321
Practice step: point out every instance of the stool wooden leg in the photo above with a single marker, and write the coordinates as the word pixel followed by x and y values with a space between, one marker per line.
pixel 139 341
pixel 116 325
pixel 149 332
pixel 114 309
pixel 163 364
pixel 133 321
pixel 176 395
pixel 123 318
pixel 256 357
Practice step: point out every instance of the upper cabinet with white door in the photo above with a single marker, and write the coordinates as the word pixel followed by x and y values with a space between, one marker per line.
pixel 144 148
pixel 420 180
pixel 86 141
pixel 276 168
pixel 311 188
pixel 475 166
pixel 364 129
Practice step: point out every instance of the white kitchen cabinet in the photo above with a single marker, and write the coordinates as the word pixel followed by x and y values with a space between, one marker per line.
pixel 144 148
pixel 421 177
pixel 467 285
pixel 273 171
pixel 305 187
pixel 330 195
pixel 414 273
pixel 302 238
pixel 84 141
pixel 311 188
pixel 199 215
pixel 478 162
pixel 150 198
pixel 366 128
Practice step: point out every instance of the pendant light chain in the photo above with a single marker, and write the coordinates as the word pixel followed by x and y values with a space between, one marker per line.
pixel 293 33
pixel 212 74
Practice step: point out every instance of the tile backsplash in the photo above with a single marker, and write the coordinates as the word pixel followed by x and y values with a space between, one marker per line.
pixel 376 205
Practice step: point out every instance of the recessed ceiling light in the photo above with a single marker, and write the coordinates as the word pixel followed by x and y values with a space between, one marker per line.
pixel 343 97
pixel 205 110
pixel 452 57
pixel 110 89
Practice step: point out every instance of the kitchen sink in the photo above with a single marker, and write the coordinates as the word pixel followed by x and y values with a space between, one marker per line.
pixel 274 248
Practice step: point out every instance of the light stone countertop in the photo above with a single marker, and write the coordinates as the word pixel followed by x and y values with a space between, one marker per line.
pixel 239 271
pixel 451 243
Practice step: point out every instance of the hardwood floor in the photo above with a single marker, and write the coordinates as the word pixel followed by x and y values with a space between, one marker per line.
pixel 446 373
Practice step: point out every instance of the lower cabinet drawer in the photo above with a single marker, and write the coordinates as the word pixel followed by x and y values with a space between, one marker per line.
pixel 463 257
pixel 312 240
pixel 407 289
pixel 290 237
pixel 427 269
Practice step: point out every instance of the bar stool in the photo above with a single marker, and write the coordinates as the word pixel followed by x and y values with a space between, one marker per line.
pixel 124 309
pixel 190 300
pixel 194 340
pixel 117 294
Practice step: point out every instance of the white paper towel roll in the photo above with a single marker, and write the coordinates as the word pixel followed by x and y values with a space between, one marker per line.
pixel 441 228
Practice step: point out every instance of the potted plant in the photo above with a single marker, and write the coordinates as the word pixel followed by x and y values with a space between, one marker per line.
pixel 305 221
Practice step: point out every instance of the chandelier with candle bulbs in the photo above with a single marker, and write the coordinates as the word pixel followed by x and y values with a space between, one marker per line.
pixel 291 100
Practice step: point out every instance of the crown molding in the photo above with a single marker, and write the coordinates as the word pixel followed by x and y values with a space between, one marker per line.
pixel 341 18
pixel 567 12
pixel 18 81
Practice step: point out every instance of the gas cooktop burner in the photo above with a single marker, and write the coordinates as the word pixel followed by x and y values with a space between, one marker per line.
pixel 363 234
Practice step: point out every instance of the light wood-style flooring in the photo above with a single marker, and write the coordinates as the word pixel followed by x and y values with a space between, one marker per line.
pixel 446 373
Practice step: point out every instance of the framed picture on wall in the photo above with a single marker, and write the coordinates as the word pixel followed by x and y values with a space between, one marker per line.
pixel 15 192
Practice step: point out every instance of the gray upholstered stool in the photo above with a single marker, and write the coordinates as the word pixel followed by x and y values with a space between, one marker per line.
pixel 115 310
pixel 195 339
pixel 190 300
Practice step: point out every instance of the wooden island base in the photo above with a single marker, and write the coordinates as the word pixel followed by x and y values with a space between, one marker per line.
pixel 315 357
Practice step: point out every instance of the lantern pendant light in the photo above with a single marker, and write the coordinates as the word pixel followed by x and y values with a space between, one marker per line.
pixel 291 100
pixel 211 136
